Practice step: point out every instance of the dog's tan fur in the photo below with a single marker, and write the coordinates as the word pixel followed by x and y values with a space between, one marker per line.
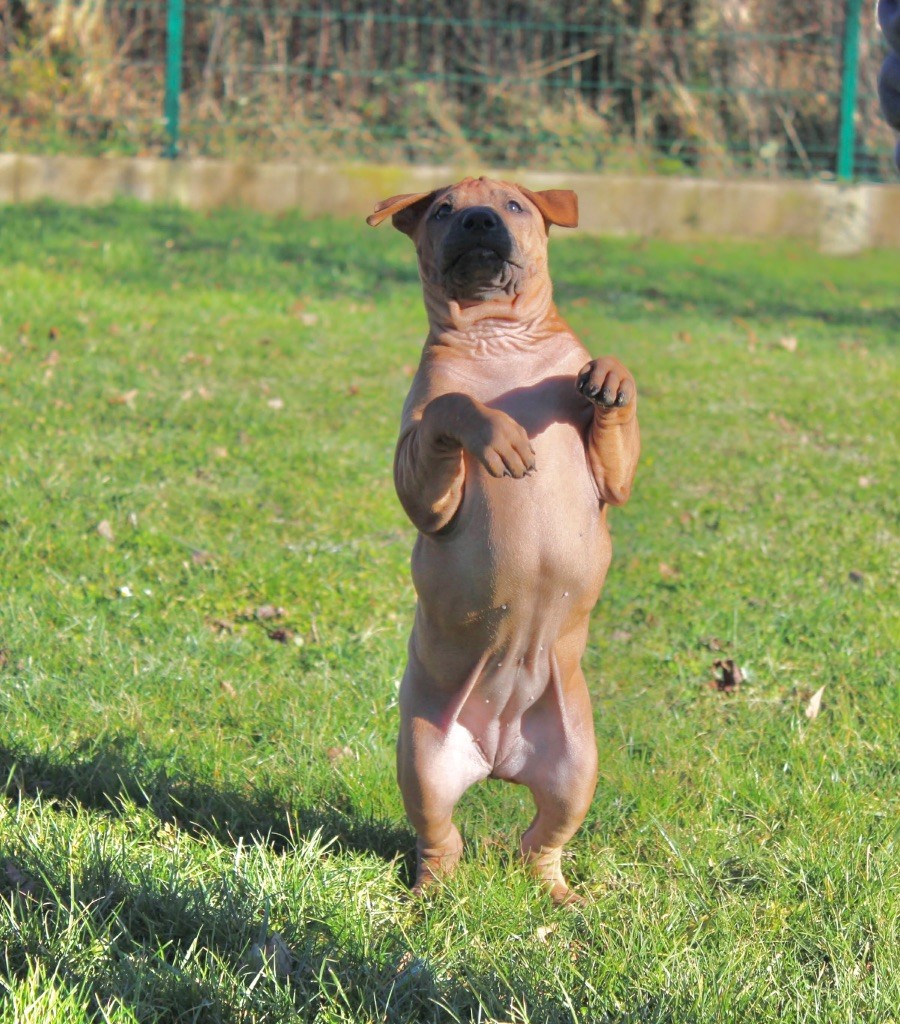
pixel 513 443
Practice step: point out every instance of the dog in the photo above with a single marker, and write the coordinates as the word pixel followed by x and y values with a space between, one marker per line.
pixel 513 443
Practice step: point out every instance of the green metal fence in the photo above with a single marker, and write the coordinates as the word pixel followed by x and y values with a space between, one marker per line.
pixel 707 87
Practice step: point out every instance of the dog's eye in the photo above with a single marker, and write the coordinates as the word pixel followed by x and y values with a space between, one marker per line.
pixel 444 210
pixel 513 206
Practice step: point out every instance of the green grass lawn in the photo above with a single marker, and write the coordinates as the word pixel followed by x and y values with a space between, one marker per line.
pixel 204 605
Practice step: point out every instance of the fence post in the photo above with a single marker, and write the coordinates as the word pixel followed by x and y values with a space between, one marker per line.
pixel 174 52
pixel 849 82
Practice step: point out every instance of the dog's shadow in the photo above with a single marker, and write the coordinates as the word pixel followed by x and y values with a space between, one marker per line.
pixel 119 772
pixel 159 921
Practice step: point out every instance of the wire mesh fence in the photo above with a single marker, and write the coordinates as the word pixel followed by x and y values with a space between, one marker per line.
pixel 707 87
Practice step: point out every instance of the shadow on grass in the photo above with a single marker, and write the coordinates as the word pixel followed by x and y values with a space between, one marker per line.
pixel 159 941
pixel 106 775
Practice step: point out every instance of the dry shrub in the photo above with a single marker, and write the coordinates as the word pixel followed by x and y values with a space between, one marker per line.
pixel 704 86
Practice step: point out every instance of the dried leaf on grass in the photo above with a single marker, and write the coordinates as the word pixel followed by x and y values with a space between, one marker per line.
pixel 267 611
pixel 17 880
pixel 815 704
pixel 727 676
pixel 105 530
pixel 411 968
pixel 336 754
pixel 125 398
pixel 274 953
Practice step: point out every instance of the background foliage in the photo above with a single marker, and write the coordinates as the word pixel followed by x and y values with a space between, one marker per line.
pixel 695 86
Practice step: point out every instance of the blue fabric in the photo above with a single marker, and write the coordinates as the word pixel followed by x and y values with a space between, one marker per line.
pixel 889 78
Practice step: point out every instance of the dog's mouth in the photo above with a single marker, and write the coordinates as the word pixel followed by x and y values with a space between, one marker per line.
pixel 479 272
pixel 477 254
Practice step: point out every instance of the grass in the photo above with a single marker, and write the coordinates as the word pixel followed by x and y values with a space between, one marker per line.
pixel 205 601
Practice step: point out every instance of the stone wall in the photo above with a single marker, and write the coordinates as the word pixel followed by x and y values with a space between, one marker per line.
pixel 839 218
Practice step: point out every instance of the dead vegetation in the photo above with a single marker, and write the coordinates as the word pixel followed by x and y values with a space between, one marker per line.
pixel 694 86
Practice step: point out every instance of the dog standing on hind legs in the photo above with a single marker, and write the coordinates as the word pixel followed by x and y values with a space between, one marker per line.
pixel 513 442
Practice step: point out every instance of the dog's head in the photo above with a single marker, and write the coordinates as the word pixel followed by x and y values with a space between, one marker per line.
pixel 482 246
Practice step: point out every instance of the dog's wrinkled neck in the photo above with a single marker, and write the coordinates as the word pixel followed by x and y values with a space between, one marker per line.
pixel 520 311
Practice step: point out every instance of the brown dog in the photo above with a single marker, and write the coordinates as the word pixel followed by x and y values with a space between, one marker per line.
pixel 512 444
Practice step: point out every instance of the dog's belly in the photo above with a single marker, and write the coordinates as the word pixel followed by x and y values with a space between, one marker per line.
pixel 504 600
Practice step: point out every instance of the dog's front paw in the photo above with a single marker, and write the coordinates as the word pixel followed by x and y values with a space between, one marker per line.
pixel 501 445
pixel 606 383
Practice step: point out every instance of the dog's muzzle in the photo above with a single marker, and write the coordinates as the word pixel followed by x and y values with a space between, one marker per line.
pixel 479 256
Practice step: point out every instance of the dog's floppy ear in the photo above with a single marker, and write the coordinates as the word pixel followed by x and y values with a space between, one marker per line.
pixel 557 205
pixel 406 211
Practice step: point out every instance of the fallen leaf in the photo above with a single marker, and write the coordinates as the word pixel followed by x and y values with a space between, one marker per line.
pixel 752 337
pixel 52 359
pixel 855 576
pixel 353 389
pixel 105 530
pixel 788 343
pixel 17 879
pixel 336 754
pixel 309 319
pixel 667 572
pixel 411 968
pixel 126 398
pixel 227 688
pixel 815 704
pixel 274 953
pixel 727 675
pixel 200 557
pixel 276 403
pixel 268 611
pixel 865 481
pixel 192 357
pixel 220 452
pixel 407 369
pixel 280 635
pixel 544 931
pixel 712 643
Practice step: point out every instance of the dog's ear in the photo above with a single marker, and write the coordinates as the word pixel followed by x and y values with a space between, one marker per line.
pixel 557 205
pixel 405 211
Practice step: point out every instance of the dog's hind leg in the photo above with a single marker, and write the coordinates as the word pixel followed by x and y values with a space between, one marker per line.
pixel 434 769
pixel 562 781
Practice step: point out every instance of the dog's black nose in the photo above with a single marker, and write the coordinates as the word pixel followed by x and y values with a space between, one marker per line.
pixel 480 220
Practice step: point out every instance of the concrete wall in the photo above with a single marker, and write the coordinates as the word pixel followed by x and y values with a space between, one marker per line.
pixel 841 219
